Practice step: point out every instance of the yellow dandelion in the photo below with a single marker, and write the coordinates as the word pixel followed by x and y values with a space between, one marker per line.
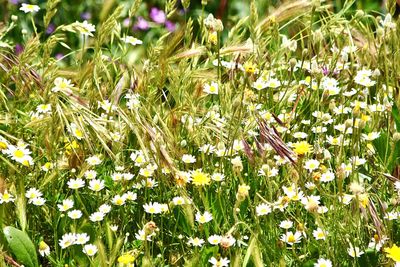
pixel 393 253
pixel 200 178
pixel 302 148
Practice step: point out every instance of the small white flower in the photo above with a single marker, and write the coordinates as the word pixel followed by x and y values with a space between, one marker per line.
pixel 96 185
pixel 90 250
pixel 29 8
pixel 75 214
pixel 211 89
pixel 75 183
pixel 97 216
pixel 132 40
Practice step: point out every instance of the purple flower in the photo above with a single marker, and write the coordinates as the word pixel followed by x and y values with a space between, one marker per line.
pixel 170 26
pixel 157 15
pixel 14 2
pixel 325 71
pixel 59 56
pixel 18 49
pixel 141 24
pixel 126 22
pixel 50 29
pixel 86 15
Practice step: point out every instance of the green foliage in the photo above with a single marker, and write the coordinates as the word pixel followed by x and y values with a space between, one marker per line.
pixel 21 246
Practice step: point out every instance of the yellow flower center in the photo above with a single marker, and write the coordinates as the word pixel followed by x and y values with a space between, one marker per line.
pixel 291 239
pixel 19 153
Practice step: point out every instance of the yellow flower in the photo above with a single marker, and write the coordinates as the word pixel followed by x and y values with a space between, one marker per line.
pixel 301 148
pixel 200 178
pixel 213 38
pixel 393 253
pixel 126 259
pixel 249 67
pixel 363 198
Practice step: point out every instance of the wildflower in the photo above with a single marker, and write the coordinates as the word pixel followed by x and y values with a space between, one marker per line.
pixel 62 84
pixel 75 214
pixel 327 176
pixel 196 242
pixel 311 165
pixel 214 239
pixel 3 144
pixel 85 28
pixel 200 178
pixel 243 192
pixel 118 200
pixel 288 44
pixel 323 263
pixel 188 158
pixel 273 83
pixel 211 88
pixel 259 84
pixel 354 252
pixel 29 8
pixel 93 160
pixel 130 196
pixel 37 201
pixel 293 192
pixel 66 205
pixel 75 183
pixel 97 216
pixel 44 249
pixel 157 15
pixel 227 241
pixel 286 224
pixel 237 164
pixel 105 208
pixel 141 235
pixel 363 78
pixel 393 253
pixel 90 250
pixel 147 172
pixel 250 68
pixel 152 208
pixel 6 197
pixel 47 166
pixel 319 234
pixel 302 148
pixel 203 218
pixel 117 176
pixel 82 238
pixel 356 188
pixel 222 262
pixel 371 136
pixel 20 154
pixel 43 108
pixel 132 40
pixel 178 201
pixel 126 259
pixel 263 209
pixel 377 242
pixel 311 203
pixel 106 105
pixel 218 177
pixel 33 193
pixel 96 185
pixel 291 238
pixel 114 227
pixel 67 240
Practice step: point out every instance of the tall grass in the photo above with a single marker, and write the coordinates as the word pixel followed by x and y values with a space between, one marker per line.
pixel 270 143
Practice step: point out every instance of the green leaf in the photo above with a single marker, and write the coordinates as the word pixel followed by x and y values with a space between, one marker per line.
pixel 21 246
pixel 396 116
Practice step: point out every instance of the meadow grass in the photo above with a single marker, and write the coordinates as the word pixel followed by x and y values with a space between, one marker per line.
pixel 273 142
